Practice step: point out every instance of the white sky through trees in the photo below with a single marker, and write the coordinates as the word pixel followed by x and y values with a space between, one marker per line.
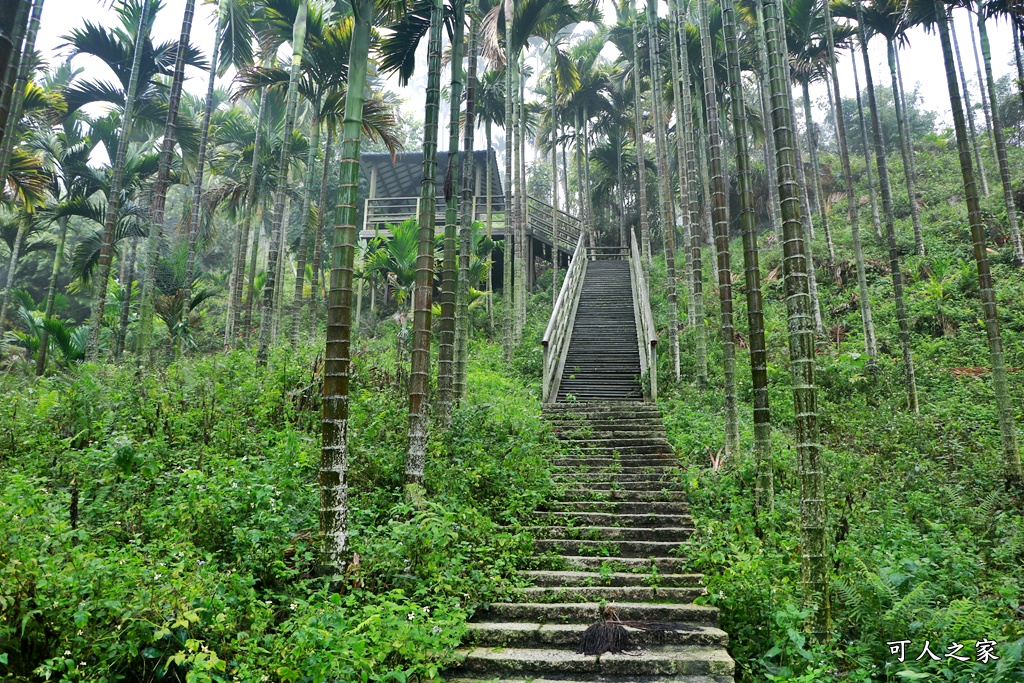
pixel 921 61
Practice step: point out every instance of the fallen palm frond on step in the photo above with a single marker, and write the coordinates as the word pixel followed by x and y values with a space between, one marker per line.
pixel 609 634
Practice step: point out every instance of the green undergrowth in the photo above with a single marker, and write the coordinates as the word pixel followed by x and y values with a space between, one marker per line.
pixel 163 526
pixel 925 544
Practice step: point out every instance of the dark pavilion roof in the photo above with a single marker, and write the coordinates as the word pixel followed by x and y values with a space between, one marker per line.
pixel 402 176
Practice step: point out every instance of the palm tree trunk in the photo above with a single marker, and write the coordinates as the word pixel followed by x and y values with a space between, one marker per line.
pixel 197 180
pixel 17 95
pixel 813 536
pixel 159 197
pixel 489 208
pixel 337 359
pixel 764 487
pixel 852 208
pixel 970 112
pixel 307 202
pixel 808 222
pixel 624 240
pixel 51 296
pixel 692 198
pixel 638 142
pixel 510 239
pixel 23 222
pixel 419 377
pixel 1000 138
pixel 668 219
pixel 774 204
pixel 691 312
pixel 16 39
pixel 906 116
pixel 463 322
pixel 126 302
pixel 452 190
pixel 316 290
pixel 1019 59
pixel 114 198
pixel 719 200
pixel 875 216
pixel 986 104
pixel 524 268
pixel 270 285
pixel 282 250
pixel 907 151
pixel 554 173
pixel 812 150
pixel 250 297
pixel 909 380
pixel 1007 428
pixel 238 331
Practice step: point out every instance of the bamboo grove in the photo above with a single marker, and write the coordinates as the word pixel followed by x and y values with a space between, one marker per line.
pixel 690 123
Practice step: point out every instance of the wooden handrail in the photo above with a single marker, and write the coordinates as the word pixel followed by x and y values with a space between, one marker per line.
pixel 647 335
pixel 559 329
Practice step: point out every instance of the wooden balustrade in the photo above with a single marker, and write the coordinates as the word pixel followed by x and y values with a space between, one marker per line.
pixel 559 330
pixel 647 335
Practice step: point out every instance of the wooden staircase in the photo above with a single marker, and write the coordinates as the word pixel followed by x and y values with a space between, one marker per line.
pixel 616 534
pixel 603 360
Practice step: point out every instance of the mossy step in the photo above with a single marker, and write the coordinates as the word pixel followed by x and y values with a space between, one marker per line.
pixel 614 456
pixel 618 477
pixel 631 440
pixel 571 578
pixel 581 465
pixel 655 660
pixel 611 533
pixel 602 519
pixel 597 449
pixel 625 507
pixel 587 612
pixel 629 430
pixel 599 408
pixel 525 634
pixel 623 593
pixel 665 565
pixel 649 549
pixel 653 484
pixel 621 495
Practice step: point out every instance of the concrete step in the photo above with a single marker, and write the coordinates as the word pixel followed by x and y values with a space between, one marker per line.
pixel 612 471
pixel 655 484
pixel 587 612
pixel 600 449
pixel 616 442
pixel 569 422
pixel 610 593
pixel 627 431
pixel 572 578
pixel 575 475
pixel 664 565
pixel 611 533
pixel 613 459
pixel 608 548
pixel 622 494
pixel 602 519
pixel 655 660
pixel 620 507
pixel 526 634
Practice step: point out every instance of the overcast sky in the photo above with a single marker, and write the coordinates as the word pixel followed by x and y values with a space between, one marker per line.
pixel 921 61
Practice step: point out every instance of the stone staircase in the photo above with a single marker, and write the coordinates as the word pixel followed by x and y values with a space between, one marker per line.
pixel 602 362
pixel 616 534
